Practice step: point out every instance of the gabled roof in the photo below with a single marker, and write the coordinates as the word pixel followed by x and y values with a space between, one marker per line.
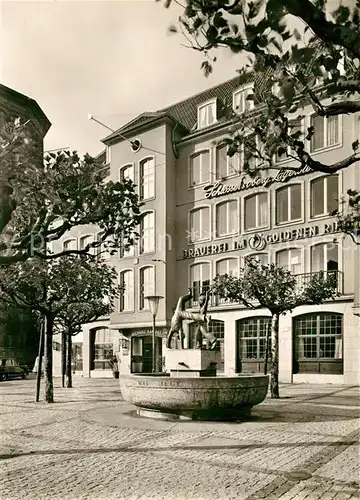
pixel 185 111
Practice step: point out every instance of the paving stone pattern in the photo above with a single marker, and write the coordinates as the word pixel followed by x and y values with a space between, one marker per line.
pixel 89 445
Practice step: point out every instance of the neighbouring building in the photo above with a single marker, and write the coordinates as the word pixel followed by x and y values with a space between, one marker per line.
pixel 18 331
pixel 204 217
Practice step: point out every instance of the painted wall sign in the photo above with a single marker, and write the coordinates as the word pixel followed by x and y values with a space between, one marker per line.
pixel 259 241
pixel 219 189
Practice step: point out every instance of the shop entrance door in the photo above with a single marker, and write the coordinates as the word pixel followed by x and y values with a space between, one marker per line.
pixel 141 354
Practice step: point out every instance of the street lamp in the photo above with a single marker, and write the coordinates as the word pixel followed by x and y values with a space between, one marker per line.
pixel 154 304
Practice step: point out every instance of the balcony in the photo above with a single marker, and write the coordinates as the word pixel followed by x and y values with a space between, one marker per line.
pixel 301 281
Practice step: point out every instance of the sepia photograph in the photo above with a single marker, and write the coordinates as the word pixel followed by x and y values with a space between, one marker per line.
pixel 179 249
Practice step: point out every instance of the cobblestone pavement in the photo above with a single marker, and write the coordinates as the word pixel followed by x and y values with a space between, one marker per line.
pixel 90 445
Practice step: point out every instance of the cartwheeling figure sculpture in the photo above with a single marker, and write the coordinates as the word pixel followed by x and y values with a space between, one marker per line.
pixel 180 314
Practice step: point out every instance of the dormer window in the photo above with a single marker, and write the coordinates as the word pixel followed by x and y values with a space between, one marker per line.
pixel 207 114
pixel 240 101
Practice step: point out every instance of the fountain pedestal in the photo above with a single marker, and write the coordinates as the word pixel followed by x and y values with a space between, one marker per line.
pixel 192 362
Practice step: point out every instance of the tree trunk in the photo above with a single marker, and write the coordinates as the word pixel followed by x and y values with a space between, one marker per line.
pixel 68 361
pixel 274 380
pixel 40 359
pixel 63 358
pixel 267 347
pixel 49 386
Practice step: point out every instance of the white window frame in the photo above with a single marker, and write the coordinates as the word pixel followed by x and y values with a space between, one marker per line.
pixel 253 254
pixel 244 92
pixel 68 240
pixel 227 260
pixel 141 177
pixel 142 300
pixel 231 170
pixel 192 185
pixel 141 245
pixel 314 179
pixel 227 233
pixel 278 161
pixel 127 270
pixel 195 209
pixel 126 167
pixel 257 227
pixel 325 252
pixel 106 254
pixel 210 102
pixel 326 147
pixel 289 250
pixel 92 251
pixel 302 202
pixel 201 262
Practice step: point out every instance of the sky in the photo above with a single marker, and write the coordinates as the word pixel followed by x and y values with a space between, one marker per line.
pixel 113 59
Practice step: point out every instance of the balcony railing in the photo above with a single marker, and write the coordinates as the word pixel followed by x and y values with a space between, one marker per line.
pixel 301 281
pixel 304 279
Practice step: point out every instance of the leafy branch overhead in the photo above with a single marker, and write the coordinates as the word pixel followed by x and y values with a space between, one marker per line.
pixel 304 54
pixel 41 201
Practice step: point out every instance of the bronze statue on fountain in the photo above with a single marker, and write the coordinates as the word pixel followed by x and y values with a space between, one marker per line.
pixel 201 319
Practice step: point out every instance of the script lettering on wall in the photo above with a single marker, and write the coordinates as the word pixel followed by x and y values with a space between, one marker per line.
pixel 218 189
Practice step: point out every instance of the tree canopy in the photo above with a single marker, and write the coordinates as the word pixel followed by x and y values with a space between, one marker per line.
pixel 306 55
pixel 41 200
pixel 276 289
pixel 62 290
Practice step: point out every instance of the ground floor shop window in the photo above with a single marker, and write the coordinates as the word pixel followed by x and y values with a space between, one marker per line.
pixel 318 343
pixel 251 343
pixel 102 347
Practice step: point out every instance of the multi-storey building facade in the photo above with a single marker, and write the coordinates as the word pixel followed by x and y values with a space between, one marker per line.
pixel 204 217
pixel 18 335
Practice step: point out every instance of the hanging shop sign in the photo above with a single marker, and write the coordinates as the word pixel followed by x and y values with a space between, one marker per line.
pixel 259 241
pixel 218 189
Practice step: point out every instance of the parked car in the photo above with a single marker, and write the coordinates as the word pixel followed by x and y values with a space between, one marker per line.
pixel 9 368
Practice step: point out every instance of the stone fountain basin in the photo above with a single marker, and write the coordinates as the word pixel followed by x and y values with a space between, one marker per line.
pixel 194 397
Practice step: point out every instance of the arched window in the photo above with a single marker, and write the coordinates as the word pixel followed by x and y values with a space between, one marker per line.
pixel 227 266
pixel 256 208
pixel 70 244
pixel 324 195
pixel 199 279
pixel 147 285
pixel 290 259
pixel 103 251
pixel 318 343
pixel 326 132
pixel 200 168
pixel 86 240
pixel 147 178
pixel 127 293
pixel 227 218
pixel 200 224
pixel 126 172
pixel 252 334
pixel 325 257
pixel 288 203
pixel 226 166
pixel 147 233
pixel 262 258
